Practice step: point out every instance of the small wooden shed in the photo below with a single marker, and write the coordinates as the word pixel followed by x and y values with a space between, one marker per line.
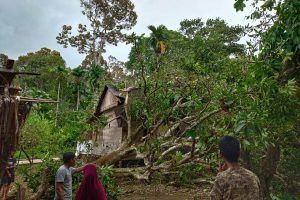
pixel 111 106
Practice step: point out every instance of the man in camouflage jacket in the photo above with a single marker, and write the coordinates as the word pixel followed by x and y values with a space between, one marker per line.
pixel 234 182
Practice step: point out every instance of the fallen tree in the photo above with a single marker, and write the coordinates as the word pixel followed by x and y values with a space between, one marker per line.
pixel 155 158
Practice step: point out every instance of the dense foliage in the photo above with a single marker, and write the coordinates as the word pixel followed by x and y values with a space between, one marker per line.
pixel 197 84
pixel 207 68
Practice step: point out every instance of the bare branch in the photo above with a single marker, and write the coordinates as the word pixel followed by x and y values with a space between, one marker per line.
pixel 172 149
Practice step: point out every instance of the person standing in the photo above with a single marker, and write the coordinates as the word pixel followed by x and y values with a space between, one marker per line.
pixel 63 178
pixel 91 187
pixel 8 177
pixel 234 182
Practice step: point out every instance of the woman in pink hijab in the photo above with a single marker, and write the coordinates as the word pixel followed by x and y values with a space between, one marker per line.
pixel 90 187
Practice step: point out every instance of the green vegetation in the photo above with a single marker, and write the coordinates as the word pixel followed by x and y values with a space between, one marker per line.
pixel 200 76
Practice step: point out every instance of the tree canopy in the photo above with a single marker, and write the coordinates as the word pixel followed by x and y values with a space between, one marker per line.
pixel 108 20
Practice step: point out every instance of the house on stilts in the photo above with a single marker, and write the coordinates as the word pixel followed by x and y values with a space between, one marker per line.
pixel 111 106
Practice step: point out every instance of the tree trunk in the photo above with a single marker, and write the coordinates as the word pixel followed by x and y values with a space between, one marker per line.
pixel 138 173
pixel 78 99
pixel 246 159
pixel 57 105
pixel 266 170
pixel 269 168
pixel 114 156
pixel 129 122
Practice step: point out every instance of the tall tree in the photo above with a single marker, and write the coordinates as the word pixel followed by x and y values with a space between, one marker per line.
pixel 217 37
pixel 108 19
pixel 158 39
pixel 61 74
pixel 78 73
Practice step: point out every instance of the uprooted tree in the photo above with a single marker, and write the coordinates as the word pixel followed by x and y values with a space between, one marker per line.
pixel 197 92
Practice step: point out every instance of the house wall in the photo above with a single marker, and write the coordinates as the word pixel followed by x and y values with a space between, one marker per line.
pixel 111 118
pixel 109 140
pixel 110 137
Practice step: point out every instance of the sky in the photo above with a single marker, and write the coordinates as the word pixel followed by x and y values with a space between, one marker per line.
pixel 28 25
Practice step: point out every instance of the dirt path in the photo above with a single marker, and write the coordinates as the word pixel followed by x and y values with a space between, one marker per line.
pixel 35 161
pixel 140 191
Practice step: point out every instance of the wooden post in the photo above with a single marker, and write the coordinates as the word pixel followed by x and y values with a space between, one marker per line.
pixel 21 193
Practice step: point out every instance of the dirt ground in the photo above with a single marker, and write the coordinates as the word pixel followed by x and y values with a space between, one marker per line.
pixel 133 190
pixel 142 191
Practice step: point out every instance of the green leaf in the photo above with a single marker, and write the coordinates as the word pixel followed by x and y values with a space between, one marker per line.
pixel 268 4
pixel 178 156
pixel 239 5
pixel 239 127
pixel 246 143
pixel 191 133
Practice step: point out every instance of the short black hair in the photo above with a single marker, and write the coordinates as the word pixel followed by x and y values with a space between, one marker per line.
pixel 68 156
pixel 230 148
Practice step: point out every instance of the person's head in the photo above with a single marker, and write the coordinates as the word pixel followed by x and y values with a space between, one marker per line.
pixel 229 149
pixel 90 170
pixel 69 159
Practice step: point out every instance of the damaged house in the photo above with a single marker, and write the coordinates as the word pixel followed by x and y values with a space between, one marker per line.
pixel 111 106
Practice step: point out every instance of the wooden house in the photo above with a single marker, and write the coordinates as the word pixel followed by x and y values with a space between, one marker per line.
pixel 111 106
